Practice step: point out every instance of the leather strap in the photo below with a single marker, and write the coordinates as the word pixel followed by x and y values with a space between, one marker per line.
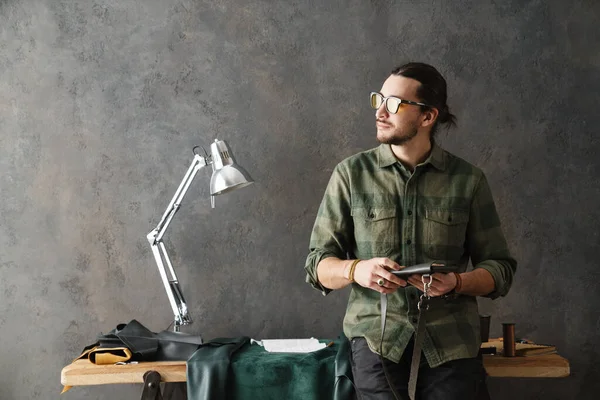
pixel 416 356
pixel 383 313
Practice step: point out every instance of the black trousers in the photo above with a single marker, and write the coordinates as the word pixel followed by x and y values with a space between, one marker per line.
pixel 462 379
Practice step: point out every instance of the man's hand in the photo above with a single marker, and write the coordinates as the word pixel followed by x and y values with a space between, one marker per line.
pixel 368 272
pixel 440 284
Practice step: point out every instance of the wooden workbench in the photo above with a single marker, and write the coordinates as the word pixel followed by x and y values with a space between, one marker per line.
pixel 83 372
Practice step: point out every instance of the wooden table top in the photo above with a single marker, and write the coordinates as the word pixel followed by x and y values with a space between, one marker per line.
pixel 83 372
pixel 542 366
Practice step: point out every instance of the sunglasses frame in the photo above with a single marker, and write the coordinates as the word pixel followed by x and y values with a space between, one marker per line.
pixel 400 101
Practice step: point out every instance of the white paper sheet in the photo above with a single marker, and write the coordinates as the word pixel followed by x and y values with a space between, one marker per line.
pixel 290 345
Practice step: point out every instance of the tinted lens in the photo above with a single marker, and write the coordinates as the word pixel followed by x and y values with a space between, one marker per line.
pixel 392 105
pixel 376 100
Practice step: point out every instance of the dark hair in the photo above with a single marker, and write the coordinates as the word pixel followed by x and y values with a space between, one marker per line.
pixel 432 90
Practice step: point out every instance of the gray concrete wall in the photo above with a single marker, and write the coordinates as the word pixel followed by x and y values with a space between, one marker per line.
pixel 102 101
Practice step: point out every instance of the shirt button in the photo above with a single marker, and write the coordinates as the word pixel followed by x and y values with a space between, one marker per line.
pixel 409 212
pixel 371 215
pixel 408 241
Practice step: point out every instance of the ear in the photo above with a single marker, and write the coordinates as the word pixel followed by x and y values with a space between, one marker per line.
pixel 429 117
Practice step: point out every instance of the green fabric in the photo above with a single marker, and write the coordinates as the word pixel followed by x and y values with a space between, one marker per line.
pixel 234 369
pixel 443 211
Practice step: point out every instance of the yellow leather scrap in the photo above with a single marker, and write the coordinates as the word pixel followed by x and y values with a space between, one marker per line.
pixel 103 356
pixel 106 355
pixel 85 353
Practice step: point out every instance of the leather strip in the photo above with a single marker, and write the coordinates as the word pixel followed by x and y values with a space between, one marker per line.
pixel 416 356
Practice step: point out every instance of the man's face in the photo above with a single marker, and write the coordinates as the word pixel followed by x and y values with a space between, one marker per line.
pixel 401 127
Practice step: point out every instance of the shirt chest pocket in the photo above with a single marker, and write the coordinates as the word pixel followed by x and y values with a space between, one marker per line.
pixel 375 231
pixel 445 233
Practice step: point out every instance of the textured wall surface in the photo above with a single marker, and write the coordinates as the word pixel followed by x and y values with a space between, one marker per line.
pixel 101 103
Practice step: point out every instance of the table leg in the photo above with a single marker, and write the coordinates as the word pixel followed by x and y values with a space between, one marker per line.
pixel 172 390
pixel 175 391
pixel 151 386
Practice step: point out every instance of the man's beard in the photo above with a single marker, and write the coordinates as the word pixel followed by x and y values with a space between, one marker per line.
pixel 398 140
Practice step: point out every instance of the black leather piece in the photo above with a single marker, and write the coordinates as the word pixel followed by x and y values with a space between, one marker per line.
pixel 176 346
pixel 146 345
pixel 425 269
pixel 344 386
pixel 137 338
pixel 208 380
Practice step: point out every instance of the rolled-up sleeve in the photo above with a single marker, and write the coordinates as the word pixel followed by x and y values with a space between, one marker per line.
pixel 486 241
pixel 332 234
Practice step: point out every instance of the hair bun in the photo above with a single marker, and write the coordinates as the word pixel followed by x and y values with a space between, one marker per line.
pixel 444 114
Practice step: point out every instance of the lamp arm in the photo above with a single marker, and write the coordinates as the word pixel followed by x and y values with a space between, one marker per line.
pixel 155 238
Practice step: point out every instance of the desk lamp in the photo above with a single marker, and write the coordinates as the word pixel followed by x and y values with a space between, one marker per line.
pixel 226 176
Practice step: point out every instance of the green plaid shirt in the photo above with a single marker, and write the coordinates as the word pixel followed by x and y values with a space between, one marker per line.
pixel 444 211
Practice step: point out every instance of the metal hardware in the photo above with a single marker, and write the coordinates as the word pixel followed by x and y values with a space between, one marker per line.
pixel 426 279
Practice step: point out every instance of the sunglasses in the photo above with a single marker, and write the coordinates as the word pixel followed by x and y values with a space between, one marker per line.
pixel 392 103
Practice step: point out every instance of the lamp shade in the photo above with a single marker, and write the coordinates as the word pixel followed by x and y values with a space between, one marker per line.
pixel 227 175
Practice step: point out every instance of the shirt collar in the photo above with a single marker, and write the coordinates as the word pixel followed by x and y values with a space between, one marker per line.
pixel 437 156
pixel 385 156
